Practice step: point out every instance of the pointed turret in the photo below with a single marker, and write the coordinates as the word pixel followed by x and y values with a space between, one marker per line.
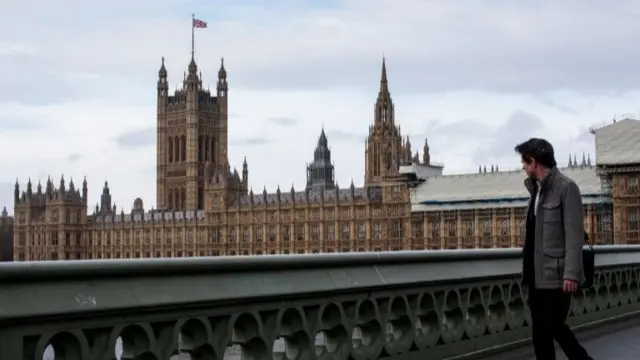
pixel 320 173
pixel 384 104
pixel 49 188
pixel 162 73
pixel 384 83
pixel 193 68
pixel 407 155
pixel 416 158
pixel 191 81
pixel 322 139
pixel 222 86
pixel 222 72
pixel 105 199
pixel 163 84
pixel 385 150
pixel 426 156
pixel 16 192
pixel 245 174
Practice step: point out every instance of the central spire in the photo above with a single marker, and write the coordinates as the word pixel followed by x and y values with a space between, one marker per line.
pixel 384 84
pixel 384 104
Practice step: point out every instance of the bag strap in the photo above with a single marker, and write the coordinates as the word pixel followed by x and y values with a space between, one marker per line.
pixel 587 241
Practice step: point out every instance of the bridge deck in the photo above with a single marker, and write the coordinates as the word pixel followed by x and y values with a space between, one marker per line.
pixel 619 341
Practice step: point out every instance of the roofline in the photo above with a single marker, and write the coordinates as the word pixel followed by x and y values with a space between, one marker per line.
pixel 494 200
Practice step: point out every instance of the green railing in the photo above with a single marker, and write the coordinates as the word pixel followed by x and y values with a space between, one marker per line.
pixel 427 305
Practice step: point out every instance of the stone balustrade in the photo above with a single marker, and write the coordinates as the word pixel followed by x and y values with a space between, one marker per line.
pixel 427 305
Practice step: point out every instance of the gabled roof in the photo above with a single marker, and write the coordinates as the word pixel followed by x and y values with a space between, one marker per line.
pixel 618 143
pixel 494 186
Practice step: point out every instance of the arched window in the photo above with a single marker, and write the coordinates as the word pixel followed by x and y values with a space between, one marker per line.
pixel 213 149
pixel 200 198
pixel 170 199
pixel 183 146
pixel 176 149
pixel 206 149
pixel 170 150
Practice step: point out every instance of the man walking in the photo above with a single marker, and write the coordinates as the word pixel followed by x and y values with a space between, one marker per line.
pixel 552 255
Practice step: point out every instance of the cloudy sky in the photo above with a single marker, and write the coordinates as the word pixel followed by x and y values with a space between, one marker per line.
pixel 474 77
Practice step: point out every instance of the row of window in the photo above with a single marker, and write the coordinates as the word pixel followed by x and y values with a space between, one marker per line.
pixel 484 227
pixel 177 148
pixel 329 213
pixel 77 255
pixel 72 238
pixel 633 218
pixel 71 216
pixel 417 243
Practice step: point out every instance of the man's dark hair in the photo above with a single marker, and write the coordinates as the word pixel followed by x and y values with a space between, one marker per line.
pixel 539 150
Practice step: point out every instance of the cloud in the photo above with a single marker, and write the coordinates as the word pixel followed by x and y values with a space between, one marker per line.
pixel 7 49
pixel 256 141
pixel 74 157
pixel 553 104
pixel 6 196
pixel 304 46
pixel 472 142
pixel 137 138
pixel 519 126
pixel 283 121
pixel 340 135
pixel 468 83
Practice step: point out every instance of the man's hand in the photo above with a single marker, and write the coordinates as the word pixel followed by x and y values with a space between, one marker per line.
pixel 570 286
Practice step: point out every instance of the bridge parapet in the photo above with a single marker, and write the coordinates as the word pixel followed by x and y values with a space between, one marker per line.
pixel 435 305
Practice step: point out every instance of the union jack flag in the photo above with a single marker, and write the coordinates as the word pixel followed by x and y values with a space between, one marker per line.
pixel 199 23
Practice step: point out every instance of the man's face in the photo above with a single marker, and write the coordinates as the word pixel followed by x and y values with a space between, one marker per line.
pixel 529 168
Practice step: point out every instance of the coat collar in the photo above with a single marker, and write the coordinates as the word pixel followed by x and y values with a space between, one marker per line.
pixel 531 185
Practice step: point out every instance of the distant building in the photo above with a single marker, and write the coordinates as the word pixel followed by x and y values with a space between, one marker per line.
pixel 207 209
pixel 618 160
pixel 487 209
pixel 6 236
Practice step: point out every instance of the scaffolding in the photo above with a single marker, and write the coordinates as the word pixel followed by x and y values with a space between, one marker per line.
pixel 603 217
pixel 604 209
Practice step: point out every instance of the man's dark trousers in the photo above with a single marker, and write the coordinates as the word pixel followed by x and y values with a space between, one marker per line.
pixel 549 311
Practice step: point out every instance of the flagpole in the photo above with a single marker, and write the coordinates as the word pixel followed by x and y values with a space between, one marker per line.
pixel 193 18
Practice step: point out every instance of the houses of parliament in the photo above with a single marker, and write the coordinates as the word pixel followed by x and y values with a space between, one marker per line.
pixel 406 203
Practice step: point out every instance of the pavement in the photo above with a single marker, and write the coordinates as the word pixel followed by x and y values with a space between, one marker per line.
pixel 617 341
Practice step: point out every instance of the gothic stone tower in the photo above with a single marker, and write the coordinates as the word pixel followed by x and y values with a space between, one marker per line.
pixel 385 151
pixel 320 173
pixel 192 134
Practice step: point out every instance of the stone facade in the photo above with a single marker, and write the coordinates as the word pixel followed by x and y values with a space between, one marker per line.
pixel 6 236
pixel 207 209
